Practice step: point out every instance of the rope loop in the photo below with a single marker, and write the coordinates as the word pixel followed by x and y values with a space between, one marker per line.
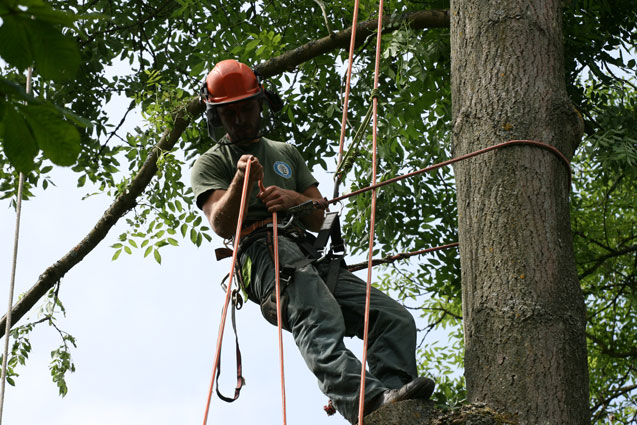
pixel 374 95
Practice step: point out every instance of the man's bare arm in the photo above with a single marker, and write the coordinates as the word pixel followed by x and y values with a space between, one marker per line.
pixel 222 206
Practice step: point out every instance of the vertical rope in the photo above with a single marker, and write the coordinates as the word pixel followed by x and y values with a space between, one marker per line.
pixel 361 403
pixel 277 288
pixel 14 263
pixel 242 210
pixel 341 144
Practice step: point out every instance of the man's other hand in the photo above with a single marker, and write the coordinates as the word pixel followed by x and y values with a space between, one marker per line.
pixel 277 199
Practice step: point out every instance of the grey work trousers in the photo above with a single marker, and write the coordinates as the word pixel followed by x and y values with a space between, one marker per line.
pixel 319 320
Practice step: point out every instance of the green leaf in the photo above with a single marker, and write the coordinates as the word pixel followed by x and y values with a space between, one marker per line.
pixel 251 44
pixel 59 140
pixel 45 13
pixel 14 89
pixel 116 255
pixel 55 55
pixel 18 142
pixel 157 256
pixel 15 46
pixel 197 69
pixel 148 251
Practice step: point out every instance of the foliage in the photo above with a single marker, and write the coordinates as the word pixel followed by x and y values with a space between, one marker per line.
pixel 156 54
pixel 61 360
pixel 31 34
pixel 605 237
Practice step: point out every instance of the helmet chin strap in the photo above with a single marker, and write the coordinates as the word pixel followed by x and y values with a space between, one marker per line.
pixel 238 141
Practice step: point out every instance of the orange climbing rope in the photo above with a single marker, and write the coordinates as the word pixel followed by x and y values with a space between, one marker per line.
pixel 372 220
pixel 348 80
pixel 237 237
pixel 535 143
pixel 277 289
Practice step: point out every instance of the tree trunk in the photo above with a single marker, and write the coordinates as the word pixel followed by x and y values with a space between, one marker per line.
pixel 524 314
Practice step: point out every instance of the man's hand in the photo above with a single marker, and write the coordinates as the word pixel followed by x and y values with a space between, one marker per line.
pixel 256 169
pixel 277 199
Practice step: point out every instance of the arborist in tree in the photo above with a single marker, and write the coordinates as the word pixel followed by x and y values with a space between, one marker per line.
pixel 322 302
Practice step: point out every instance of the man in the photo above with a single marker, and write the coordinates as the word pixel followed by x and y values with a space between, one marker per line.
pixel 317 317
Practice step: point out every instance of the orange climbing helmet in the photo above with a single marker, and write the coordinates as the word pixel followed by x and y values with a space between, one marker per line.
pixel 231 81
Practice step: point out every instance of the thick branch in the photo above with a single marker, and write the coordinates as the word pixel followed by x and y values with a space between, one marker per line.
pixel 126 201
pixel 340 40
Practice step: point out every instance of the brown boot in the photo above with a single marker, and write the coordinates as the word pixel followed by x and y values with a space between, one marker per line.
pixel 418 389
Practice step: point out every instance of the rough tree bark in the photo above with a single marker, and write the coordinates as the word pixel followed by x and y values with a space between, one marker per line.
pixel 523 308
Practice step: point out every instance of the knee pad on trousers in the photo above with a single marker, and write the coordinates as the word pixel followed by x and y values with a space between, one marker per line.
pixel 268 310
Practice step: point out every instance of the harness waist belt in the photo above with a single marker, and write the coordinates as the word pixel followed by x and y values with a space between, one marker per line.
pixel 254 226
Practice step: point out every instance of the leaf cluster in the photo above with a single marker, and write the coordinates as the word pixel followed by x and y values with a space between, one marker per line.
pixel 32 34
pixel 61 359
pixel 605 239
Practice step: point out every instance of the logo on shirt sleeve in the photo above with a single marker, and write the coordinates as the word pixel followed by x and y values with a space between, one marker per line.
pixel 283 169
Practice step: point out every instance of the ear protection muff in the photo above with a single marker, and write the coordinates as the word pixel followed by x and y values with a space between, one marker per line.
pixel 212 119
pixel 274 100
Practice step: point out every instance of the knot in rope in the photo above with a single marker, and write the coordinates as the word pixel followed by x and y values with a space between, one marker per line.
pixel 374 94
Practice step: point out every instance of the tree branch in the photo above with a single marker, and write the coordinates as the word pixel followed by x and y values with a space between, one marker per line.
pixel 289 60
pixel 602 259
pixel 122 204
pixel 127 199
pixel 607 350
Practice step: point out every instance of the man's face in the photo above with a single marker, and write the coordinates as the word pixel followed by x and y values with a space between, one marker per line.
pixel 241 120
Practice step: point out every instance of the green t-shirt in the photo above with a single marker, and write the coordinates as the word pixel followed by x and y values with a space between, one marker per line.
pixel 282 164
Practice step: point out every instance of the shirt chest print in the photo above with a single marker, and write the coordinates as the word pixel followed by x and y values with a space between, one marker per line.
pixel 282 169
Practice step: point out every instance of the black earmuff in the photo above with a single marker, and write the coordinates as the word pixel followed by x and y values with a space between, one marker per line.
pixel 274 100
